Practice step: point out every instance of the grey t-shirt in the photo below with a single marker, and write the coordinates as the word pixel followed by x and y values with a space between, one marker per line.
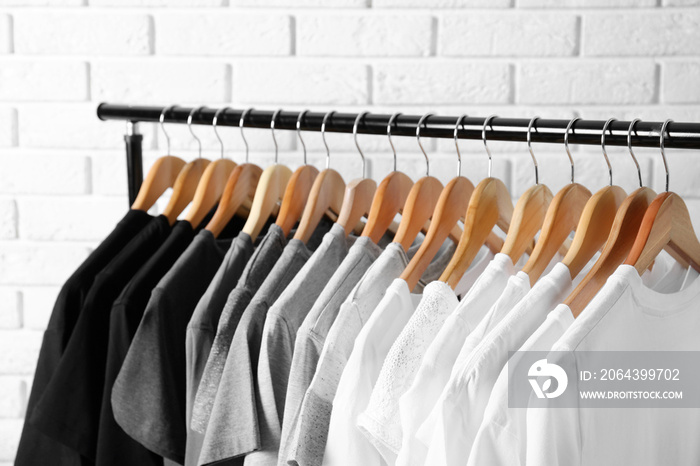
pixel 233 424
pixel 308 441
pixel 258 267
pixel 148 397
pixel 279 333
pixel 314 329
pixel 201 330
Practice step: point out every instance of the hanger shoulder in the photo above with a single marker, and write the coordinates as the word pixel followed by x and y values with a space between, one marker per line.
pixel 418 209
pixel 185 188
pixel 271 187
pixel 561 219
pixel 326 194
pixel 388 200
pixel 666 225
pixel 594 227
pixel 489 205
pixel 357 202
pixel 295 197
pixel 451 207
pixel 619 242
pixel 528 218
pixel 160 177
pixel 240 188
pixel 209 190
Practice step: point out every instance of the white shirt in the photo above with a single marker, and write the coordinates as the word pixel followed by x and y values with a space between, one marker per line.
pixel 625 315
pixel 439 357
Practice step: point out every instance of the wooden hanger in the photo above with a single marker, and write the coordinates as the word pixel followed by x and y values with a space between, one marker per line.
pixel 240 187
pixel 530 211
pixel 389 198
pixel 621 237
pixel 597 218
pixel 160 177
pixel 666 225
pixel 451 207
pixel 562 217
pixel 490 204
pixel 272 186
pixel 359 192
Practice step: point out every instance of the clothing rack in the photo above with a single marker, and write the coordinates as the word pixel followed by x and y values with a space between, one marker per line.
pixel 587 132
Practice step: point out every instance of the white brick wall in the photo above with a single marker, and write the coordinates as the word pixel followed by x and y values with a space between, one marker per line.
pixel 62 172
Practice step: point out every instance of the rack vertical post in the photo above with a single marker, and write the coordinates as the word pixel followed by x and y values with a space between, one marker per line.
pixel 134 159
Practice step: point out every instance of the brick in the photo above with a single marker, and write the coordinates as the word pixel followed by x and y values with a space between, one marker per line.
pixel 680 2
pixel 167 3
pixel 520 35
pixel 25 80
pixel 161 81
pixel 442 3
pixel 223 34
pixel 442 83
pixel 10 430
pixel 70 126
pixel 37 174
pixel 69 218
pixel 37 305
pixel 8 219
pixel 371 35
pixel 641 34
pixel 12 397
pixel 585 82
pixel 10 309
pixel 585 3
pixel 683 170
pixel 301 3
pixel 82 33
pixel 23 263
pixel 53 3
pixel 5 34
pixel 19 351
pixel 305 83
pixel 108 174
pixel 8 127
pixel 680 82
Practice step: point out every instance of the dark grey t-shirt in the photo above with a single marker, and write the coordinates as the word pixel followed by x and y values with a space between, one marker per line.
pixel 201 330
pixel 233 424
pixel 148 398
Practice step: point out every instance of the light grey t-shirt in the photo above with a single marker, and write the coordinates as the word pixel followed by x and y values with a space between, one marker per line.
pixel 307 442
pixel 257 269
pixel 314 329
pixel 201 330
pixel 233 428
pixel 279 334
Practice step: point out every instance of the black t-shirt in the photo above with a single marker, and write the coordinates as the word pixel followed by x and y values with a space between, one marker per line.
pixel 69 409
pixel 114 446
pixel 35 448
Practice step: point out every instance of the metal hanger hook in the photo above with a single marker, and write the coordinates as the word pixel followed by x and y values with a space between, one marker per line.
pixel 354 137
pixel 299 119
pixel 272 129
pixel 214 121
pixel 388 135
pixel 530 126
pixel 662 144
pixel 602 145
pixel 570 127
pixel 418 127
pixel 241 124
pixel 459 154
pixel 629 147
pixel 189 126
pixel 483 138
pixel 161 119
pixel 323 136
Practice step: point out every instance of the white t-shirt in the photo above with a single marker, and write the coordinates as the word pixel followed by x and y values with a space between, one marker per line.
pixel 625 315
pixel 502 435
pixel 436 365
